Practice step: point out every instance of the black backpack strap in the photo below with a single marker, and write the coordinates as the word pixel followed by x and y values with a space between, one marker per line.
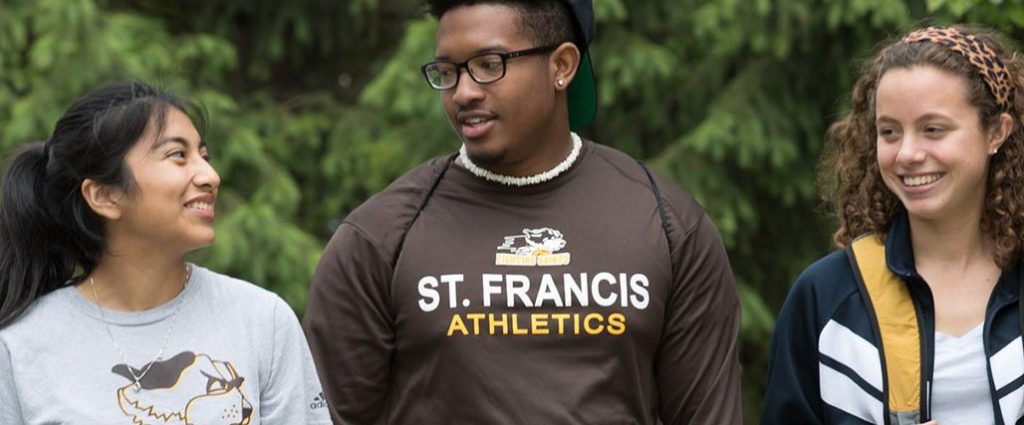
pixel 438 175
pixel 657 197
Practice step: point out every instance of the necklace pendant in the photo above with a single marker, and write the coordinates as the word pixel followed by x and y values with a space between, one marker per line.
pixel 136 386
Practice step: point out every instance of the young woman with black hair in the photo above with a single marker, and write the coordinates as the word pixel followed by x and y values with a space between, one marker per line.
pixel 101 318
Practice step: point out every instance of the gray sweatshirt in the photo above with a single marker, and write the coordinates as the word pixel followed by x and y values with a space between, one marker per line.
pixel 236 355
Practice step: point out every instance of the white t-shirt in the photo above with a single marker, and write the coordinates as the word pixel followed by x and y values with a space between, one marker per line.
pixel 960 388
pixel 236 351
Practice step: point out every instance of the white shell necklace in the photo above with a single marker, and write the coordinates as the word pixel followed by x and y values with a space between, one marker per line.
pixel 577 144
pixel 167 336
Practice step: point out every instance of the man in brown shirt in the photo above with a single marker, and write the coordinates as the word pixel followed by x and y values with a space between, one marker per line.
pixel 534 277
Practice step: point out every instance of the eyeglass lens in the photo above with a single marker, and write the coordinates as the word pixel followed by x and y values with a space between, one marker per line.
pixel 483 69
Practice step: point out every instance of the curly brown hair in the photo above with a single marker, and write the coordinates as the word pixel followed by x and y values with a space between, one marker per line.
pixel 849 177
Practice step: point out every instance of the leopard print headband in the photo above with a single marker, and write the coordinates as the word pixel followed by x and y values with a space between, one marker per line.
pixel 984 60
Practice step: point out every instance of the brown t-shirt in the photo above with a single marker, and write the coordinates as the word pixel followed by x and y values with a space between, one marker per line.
pixel 565 302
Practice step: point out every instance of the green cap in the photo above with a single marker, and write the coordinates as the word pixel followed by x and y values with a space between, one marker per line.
pixel 582 90
pixel 582 96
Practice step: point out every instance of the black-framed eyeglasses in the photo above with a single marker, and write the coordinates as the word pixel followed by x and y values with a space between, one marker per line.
pixel 484 69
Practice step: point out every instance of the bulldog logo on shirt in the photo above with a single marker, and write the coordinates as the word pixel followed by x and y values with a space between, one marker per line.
pixel 186 389
pixel 534 247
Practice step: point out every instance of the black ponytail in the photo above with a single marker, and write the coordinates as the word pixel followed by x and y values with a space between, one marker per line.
pixel 25 228
pixel 47 230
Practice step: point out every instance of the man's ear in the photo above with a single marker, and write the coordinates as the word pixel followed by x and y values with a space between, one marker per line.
pixel 106 201
pixel 564 62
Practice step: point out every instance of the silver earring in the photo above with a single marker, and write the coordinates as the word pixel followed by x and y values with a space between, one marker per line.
pixel 995 151
pixel 561 82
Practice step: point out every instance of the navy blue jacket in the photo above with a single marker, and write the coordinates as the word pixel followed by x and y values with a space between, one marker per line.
pixel 826 367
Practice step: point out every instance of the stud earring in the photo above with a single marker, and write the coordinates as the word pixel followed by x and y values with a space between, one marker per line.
pixel 561 82
pixel 995 151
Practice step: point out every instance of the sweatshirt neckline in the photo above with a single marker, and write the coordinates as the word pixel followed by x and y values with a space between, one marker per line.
pixel 139 318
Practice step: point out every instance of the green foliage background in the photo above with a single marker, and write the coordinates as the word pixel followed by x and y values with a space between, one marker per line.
pixel 316 105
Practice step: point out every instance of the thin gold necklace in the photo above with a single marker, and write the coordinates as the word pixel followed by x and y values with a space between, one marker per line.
pixel 167 336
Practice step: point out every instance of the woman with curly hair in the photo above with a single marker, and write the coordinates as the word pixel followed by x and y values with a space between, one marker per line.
pixel 917 319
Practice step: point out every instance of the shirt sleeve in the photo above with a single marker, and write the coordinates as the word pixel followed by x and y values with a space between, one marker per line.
pixel 793 396
pixel 698 371
pixel 350 327
pixel 10 404
pixel 292 394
